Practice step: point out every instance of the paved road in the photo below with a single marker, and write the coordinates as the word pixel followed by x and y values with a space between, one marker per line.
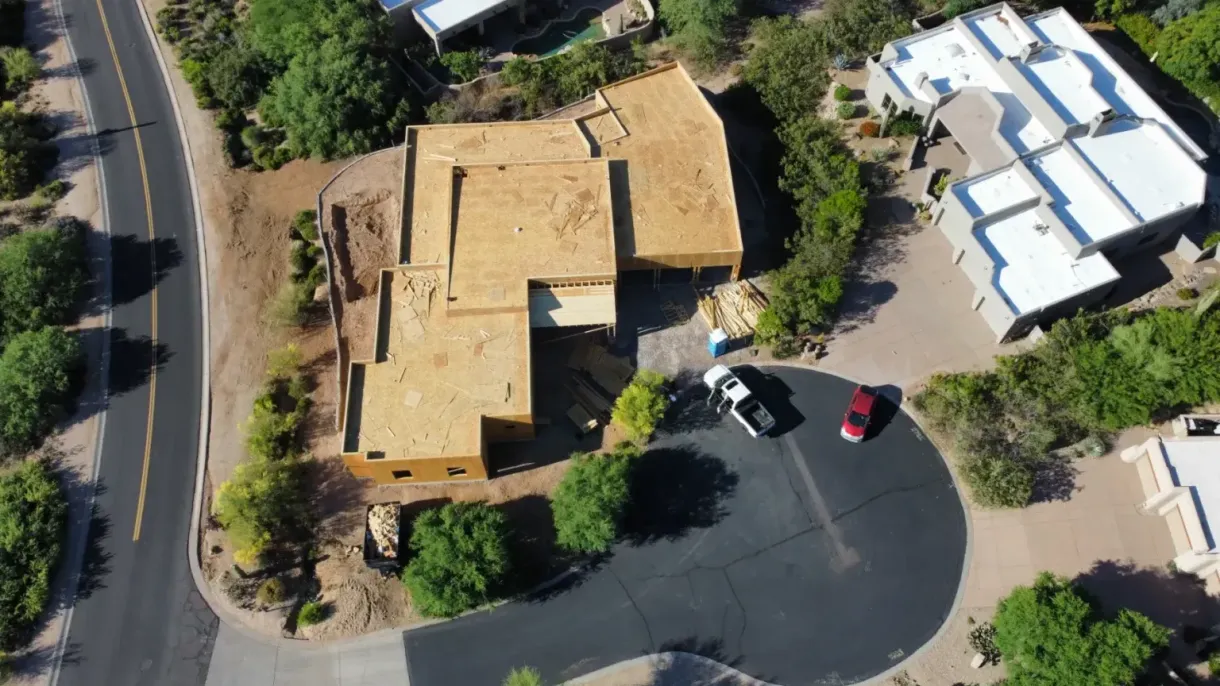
pixel 140 620
pixel 796 559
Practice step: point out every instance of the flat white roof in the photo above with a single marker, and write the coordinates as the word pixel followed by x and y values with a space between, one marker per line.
pixel 1065 82
pixel 1032 268
pixel 442 15
pixel 1151 174
pixel 1077 200
pixel 1109 80
pixel 983 196
pixel 999 34
pixel 952 62
pixel 1195 464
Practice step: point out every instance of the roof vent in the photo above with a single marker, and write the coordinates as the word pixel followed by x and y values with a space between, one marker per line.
pixel 1030 50
pixel 1041 228
pixel 1100 122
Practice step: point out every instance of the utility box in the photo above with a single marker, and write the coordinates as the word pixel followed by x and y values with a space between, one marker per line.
pixel 717 342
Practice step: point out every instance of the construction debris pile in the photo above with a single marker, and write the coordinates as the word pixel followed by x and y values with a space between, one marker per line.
pixel 382 529
pixel 597 379
pixel 734 307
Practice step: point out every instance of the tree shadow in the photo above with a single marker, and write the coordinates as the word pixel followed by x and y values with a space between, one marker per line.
pixel 535 556
pixel 1054 480
pixel 132 361
pixel 681 669
pixel 674 490
pixel 333 490
pixel 1179 602
pixel 132 273
pixel 691 411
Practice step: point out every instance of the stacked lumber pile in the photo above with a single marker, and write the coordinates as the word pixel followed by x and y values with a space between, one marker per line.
pixel 597 378
pixel 383 527
pixel 734 307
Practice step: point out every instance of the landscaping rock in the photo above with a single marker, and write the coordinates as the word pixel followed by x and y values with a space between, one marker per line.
pixel 978 661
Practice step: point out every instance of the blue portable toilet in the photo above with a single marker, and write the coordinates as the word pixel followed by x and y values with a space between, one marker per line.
pixel 717 342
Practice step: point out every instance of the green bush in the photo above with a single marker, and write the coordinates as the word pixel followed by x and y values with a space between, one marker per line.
pixel 1140 29
pixel 1213 664
pixel 52 191
pixel 642 405
pixel 863 27
pixel 465 65
pixel 261 506
pixel 1176 9
pixel 845 110
pixel 306 224
pixel 700 26
pixel 458 558
pixel 290 306
pixel 1187 294
pixel 22 151
pixel 33 512
pixel 523 676
pixel 312 613
pixel 842 93
pixel 1211 240
pixel 1054 634
pixel 37 371
pixel 20 69
pixel 982 640
pixel 905 124
pixel 42 276
pixel 589 501
pixel 788 65
pixel 1091 374
pixel 544 85
pixel 271 592
pixel 770 328
pixel 955 7
pixel 1187 51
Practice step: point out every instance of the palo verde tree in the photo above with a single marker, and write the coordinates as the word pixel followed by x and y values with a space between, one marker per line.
pixel 1052 634
pixel 33 511
pixel 458 558
pixel 588 503
pixel 641 405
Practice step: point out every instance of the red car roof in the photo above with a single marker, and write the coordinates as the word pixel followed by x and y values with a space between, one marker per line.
pixel 862 400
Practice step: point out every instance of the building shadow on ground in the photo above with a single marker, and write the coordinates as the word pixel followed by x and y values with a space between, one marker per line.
pixel 675 490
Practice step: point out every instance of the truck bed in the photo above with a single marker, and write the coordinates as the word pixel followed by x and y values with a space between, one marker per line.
pixel 755 416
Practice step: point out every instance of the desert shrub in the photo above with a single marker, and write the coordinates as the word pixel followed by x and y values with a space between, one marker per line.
pixel 33 512
pixel 37 372
pixel 306 223
pixel 51 191
pixel 956 7
pixel 1213 664
pixel 523 676
pixel 1176 9
pixel 982 640
pixel 312 612
pixel 589 501
pixel 845 110
pixel 465 65
pixel 271 592
pixel 458 558
pixel 261 506
pixel 23 153
pixel 1187 294
pixel 19 68
pixel 42 276
pixel 905 124
pixel 1211 240
pixel 869 129
pixel 543 85
pixel 770 328
pixel 699 26
pixel 1140 29
pixel 842 93
pixel 1187 49
pixel 1052 633
pixel 862 27
pixel 641 405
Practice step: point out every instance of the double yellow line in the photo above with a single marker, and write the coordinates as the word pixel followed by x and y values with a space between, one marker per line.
pixel 152 386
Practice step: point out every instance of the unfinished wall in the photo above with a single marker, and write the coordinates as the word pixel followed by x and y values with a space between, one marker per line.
pixel 389 471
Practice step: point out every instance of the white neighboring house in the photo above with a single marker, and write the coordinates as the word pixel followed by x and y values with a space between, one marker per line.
pixel 1181 481
pixel 1068 161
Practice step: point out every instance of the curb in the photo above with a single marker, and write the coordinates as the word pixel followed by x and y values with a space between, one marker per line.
pixel 676 658
pixel 77 553
pixel 205 407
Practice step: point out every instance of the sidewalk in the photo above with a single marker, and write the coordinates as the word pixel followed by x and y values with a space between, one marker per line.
pixel 80 437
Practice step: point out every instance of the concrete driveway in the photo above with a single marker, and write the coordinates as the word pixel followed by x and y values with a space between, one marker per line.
pixel 798 558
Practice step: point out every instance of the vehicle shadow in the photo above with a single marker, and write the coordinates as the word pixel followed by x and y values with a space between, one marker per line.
pixel 889 400
pixel 775 395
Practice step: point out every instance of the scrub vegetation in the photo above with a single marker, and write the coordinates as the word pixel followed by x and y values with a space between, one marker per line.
pixel 641 405
pixel 458 558
pixel 33 512
pixel 1184 34
pixel 318 72
pixel 1090 375
pixel 588 504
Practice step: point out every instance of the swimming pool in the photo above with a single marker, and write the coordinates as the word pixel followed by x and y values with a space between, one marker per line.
pixel 585 26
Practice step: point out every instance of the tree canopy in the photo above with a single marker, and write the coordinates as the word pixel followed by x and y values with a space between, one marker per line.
pixel 641 405
pixel 1051 634
pixel 458 558
pixel 588 503
pixel 37 371
pixel 42 274
pixel 699 26
pixel 33 512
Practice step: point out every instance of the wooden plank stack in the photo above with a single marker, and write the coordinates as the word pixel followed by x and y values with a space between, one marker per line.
pixel 734 308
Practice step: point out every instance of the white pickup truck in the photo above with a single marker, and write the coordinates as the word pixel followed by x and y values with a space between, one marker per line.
pixel 728 391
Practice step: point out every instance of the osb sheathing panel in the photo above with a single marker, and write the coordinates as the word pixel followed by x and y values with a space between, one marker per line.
pixel 679 186
pixel 433 150
pixel 422 469
pixel 513 222
pixel 441 374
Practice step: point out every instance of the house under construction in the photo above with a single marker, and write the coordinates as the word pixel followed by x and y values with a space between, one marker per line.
pixel 512 226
